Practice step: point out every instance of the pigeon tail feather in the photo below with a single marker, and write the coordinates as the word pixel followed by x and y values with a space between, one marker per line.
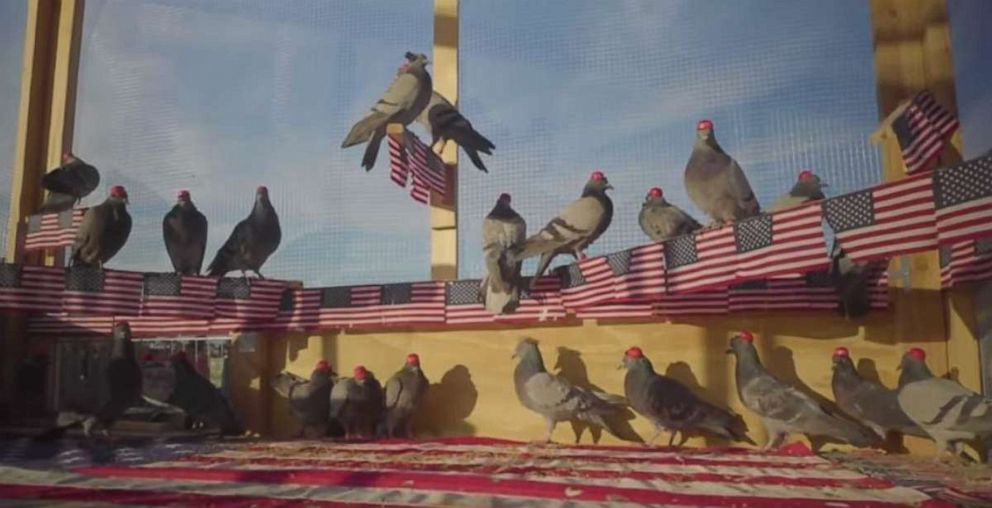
pixel 364 129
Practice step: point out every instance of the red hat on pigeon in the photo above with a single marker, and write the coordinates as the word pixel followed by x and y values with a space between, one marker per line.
pixel 805 174
pixel 118 191
pixel 747 336
pixel 634 352
pixel 360 372
pixel 323 366
pixel 656 192
pixel 412 359
pixel 917 353
pixel 704 124
pixel 597 175
pixel 842 351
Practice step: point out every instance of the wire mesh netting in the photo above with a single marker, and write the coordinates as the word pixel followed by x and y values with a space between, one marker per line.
pixel 972 44
pixel 563 87
pixel 12 20
pixel 220 97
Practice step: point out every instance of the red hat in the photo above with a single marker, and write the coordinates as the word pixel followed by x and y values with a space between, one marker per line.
pixel 842 351
pixel 361 373
pixel 746 336
pixel 634 352
pixel 703 125
pixel 656 192
pixel 805 175
pixel 412 359
pixel 323 366
pixel 597 175
pixel 917 353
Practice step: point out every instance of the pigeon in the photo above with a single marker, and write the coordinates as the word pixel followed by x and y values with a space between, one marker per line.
pixel 184 229
pixel 253 240
pixel 555 398
pixel 199 398
pixel 716 183
pixel 852 281
pixel 121 390
pixel 357 403
pixel 445 122
pixel 309 400
pixel 404 393
pixel 949 413
pixel 670 406
pixel 68 184
pixel 661 220
pixel 402 102
pixel 867 401
pixel 502 231
pixel 807 188
pixel 103 231
pixel 783 408
pixel 574 229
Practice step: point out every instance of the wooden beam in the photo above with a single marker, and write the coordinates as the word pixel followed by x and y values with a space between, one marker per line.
pixel 444 212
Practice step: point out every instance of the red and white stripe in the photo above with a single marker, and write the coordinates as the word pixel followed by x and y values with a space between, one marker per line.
pixel 61 324
pixel 598 287
pixel 121 296
pixel 41 290
pixel 645 280
pixel 266 295
pixel 50 235
pixel 712 301
pixel 929 125
pixel 783 292
pixel 426 306
pixel 362 311
pixel 543 304
pixel 715 266
pixel 303 315
pixel 399 171
pixel 798 245
pixel 617 310
pixel 195 301
pixel 427 169
pixel 965 265
pixel 970 219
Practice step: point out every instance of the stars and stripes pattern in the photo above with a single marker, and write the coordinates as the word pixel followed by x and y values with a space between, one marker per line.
pixel 639 273
pixel 410 158
pixel 963 200
pixel 178 296
pixel 464 303
pixel 53 230
pixel 348 306
pixel 701 260
pixel 412 303
pixel 298 311
pixel 967 261
pixel 28 288
pixel 248 299
pixel 781 243
pixel 586 283
pixel 710 301
pixel 66 325
pixel 95 291
pixel 889 220
pixel 783 292
pixel 922 129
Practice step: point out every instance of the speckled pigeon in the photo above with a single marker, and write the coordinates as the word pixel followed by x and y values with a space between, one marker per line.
pixel 253 240
pixel 574 229
pixel 808 187
pixel 357 403
pixel 68 184
pixel 402 102
pixel 309 399
pixel 867 401
pixel 782 407
pixel 715 182
pixel 103 231
pixel 661 220
pixel 445 122
pixel 404 393
pixel 184 230
pixel 556 399
pixel 502 231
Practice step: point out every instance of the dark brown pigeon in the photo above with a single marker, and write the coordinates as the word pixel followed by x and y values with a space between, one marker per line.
pixel 309 400
pixel 184 230
pixel 103 231
pixel 445 122
pixel 715 182
pixel 253 240
pixel 68 184
pixel 661 220
pixel 808 187
pixel 502 231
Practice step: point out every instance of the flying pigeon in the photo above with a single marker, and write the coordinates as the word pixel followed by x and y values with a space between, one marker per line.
pixel 807 188
pixel 184 229
pixel 445 122
pixel 574 229
pixel 404 393
pixel 670 406
pixel 715 182
pixel 949 413
pixel 661 220
pixel 310 400
pixel 783 408
pixel 867 401
pixel 402 102
pixel 121 390
pixel 357 403
pixel 68 184
pixel 556 399
pixel 253 240
pixel 502 231
pixel 103 231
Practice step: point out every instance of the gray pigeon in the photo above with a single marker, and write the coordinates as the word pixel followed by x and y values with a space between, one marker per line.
pixel 184 229
pixel 445 122
pixel 715 182
pixel 783 408
pixel 867 401
pixel 402 102
pixel 253 240
pixel 670 406
pixel 103 231
pixel 807 188
pixel 404 393
pixel 68 184
pixel 556 399
pixel 949 413
pixel 852 281
pixel 574 229
pixel 502 231
pixel 200 399
pixel 309 400
pixel 661 220
pixel 357 403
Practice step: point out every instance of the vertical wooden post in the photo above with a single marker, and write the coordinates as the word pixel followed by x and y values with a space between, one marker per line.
pixel 444 212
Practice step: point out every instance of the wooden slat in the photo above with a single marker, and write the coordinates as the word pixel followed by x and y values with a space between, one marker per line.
pixel 444 213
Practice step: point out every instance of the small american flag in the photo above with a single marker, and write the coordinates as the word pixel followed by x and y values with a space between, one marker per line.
pixel 587 282
pixel 963 198
pixel 412 158
pixel 412 303
pixel 347 306
pixel 710 301
pixel 967 261
pixel 701 261
pixel 639 273
pixel 888 220
pixel 53 230
pixel 463 303
pixel 297 311
pixel 921 129
pixel 781 243
pixel 248 299
pixel 878 286
pixel 179 296
pixel 91 290
pixel 28 288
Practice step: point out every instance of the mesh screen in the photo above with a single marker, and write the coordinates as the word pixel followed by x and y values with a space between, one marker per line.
pixel 563 87
pixel 12 19
pixel 972 44
pixel 220 97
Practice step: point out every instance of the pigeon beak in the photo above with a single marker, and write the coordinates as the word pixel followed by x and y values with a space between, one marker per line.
pixel 619 366
pixel 513 356
pixel 609 187
pixel 899 367
pixel 824 184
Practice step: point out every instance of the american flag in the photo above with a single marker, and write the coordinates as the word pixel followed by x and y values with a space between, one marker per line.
pixel 710 301
pixel 347 306
pixel 639 273
pixel 91 290
pixel 61 324
pixel 785 292
pixel 963 198
pixel 248 299
pixel 587 282
pixel 967 261
pixel 297 311
pixel 471 471
pixel 174 295
pixel 412 158
pixel 53 230
pixel 879 286
pixel 463 303
pixel 701 261
pixel 412 303
pixel 888 220
pixel 921 130
pixel 28 288
pixel 781 243
pixel 617 310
